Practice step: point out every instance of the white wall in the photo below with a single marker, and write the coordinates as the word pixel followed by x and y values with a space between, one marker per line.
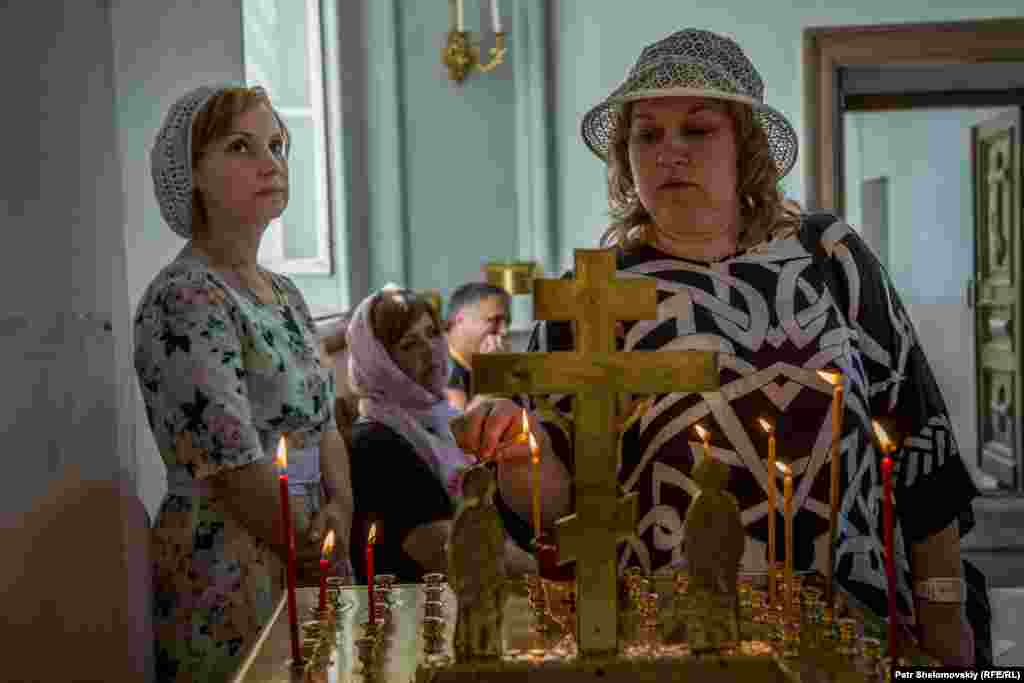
pixel 74 562
pixel 162 50
pixel 931 240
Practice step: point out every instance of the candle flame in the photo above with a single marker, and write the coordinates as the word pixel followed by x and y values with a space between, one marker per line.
pixel 372 537
pixel 328 544
pixel 701 432
pixel 765 425
pixel 282 454
pixel 526 422
pixel 883 436
pixel 832 378
pixel 534 449
pixel 783 467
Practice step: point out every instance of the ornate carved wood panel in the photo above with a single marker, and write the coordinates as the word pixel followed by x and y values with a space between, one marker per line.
pixel 996 172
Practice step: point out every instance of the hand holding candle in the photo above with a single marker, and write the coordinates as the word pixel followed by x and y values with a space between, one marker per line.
pixel 836 380
pixel 888 523
pixel 325 565
pixel 289 532
pixel 772 554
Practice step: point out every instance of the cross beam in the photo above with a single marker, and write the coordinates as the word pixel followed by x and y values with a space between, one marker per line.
pixel 595 373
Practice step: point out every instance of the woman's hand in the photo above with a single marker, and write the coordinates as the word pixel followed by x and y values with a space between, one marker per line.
pixel 490 429
pixel 945 633
pixel 334 516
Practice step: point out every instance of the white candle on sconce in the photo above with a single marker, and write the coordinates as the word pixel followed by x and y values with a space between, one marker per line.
pixel 495 16
pixel 460 17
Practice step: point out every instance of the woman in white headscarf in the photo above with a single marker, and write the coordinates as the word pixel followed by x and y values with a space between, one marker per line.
pixel 228 362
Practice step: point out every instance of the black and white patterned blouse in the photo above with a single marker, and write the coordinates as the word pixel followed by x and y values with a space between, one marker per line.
pixel 817 300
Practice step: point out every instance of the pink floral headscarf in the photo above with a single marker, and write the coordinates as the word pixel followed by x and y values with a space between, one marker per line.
pixel 389 396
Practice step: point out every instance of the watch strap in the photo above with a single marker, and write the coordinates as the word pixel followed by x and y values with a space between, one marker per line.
pixel 941 589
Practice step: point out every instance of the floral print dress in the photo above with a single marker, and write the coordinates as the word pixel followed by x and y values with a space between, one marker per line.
pixel 223 376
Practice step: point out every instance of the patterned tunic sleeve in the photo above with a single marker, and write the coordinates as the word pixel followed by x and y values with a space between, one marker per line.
pixel 904 395
pixel 189 360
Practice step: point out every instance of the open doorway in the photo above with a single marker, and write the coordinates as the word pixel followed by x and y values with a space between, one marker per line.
pixel 919 89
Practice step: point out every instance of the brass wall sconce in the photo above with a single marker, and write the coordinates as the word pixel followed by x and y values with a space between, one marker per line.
pixel 433 297
pixel 515 277
pixel 459 56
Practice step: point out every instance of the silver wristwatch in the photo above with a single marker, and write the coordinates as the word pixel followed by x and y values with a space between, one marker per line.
pixel 949 590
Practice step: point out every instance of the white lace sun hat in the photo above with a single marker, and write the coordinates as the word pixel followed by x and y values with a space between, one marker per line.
pixel 693 63
pixel 171 156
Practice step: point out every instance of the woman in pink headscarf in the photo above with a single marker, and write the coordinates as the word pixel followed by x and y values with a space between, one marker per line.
pixel 406 464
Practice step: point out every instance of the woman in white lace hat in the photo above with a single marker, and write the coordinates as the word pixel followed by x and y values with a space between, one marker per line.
pixel 228 361
pixel 695 158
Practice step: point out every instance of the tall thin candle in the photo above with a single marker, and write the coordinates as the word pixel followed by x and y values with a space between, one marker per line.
pixel 535 460
pixel 371 539
pixel 836 380
pixel 772 506
pixel 888 526
pixel 289 532
pixel 461 17
pixel 787 495
pixel 325 565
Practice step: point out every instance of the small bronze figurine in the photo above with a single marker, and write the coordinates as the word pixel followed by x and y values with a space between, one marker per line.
pixel 476 568
pixel 715 541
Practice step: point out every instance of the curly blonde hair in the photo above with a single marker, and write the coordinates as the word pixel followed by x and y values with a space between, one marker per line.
pixel 213 122
pixel 764 210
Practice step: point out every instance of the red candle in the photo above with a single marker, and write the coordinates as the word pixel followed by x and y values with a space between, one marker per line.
pixel 370 540
pixel 888 522
pixel 289 532
pixel 324 567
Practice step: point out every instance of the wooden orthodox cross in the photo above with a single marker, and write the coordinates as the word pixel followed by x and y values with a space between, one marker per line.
pixel 595 373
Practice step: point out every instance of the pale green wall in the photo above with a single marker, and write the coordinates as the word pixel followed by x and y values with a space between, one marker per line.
pixel 597 42
pixel 925 153
pixel 438 177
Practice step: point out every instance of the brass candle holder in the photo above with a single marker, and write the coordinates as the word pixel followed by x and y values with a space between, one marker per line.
pixel 515 277
pixel 460 57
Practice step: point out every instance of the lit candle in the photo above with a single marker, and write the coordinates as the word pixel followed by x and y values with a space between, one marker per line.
pixel 772 554
pixel 325 564
pixel 705 436
pixel 495 16
pixel 371 539
pixel 836 380
pixel 289 532
pixel 787 495
pixel 888 523
pixel 535 460
pixel 460 15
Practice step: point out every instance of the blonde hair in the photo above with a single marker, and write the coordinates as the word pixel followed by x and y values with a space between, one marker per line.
pixel 764 210
pixel 213 122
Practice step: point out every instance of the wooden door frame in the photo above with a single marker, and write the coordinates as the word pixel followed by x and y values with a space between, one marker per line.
pixel 828 49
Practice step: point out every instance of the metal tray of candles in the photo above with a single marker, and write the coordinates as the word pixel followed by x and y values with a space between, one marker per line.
pixel 538 638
